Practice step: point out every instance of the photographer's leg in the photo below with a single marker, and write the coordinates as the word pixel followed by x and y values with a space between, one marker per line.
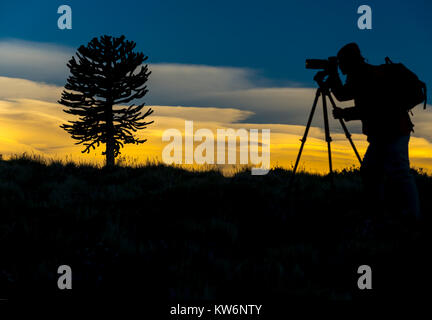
pixel 406 198
pixel 405 228
pixel 373 190
pixel 373 179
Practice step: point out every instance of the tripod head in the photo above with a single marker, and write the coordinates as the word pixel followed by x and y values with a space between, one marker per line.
pixel 319 78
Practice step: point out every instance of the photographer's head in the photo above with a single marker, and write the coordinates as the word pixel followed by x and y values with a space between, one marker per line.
pixel 350 58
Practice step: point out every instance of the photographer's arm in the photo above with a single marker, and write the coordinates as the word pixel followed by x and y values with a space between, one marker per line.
pixel 340 91
pixel 343 93
pixel 351 113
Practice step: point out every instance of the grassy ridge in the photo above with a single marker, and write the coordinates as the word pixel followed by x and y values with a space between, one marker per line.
pixel 239 236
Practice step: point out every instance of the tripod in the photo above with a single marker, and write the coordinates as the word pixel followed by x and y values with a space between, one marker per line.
pixel 324 92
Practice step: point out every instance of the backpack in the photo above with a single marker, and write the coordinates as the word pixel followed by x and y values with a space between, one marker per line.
pixel 405 90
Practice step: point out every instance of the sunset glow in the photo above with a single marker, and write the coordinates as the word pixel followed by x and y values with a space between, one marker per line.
pixel 32 126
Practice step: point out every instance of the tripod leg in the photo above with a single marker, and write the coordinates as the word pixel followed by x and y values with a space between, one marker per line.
pixel 345 129
pixel 303 140
pixel 327 132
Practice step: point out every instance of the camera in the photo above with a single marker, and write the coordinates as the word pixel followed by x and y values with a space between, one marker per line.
pixel 322 64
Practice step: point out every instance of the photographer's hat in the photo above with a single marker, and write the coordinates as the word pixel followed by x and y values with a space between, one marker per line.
pixel 350 51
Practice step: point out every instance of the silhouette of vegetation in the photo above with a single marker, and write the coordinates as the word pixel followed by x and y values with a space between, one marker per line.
pixel 107 73
pixel 224 237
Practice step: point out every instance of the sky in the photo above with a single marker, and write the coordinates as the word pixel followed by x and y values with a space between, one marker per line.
pixel 235 64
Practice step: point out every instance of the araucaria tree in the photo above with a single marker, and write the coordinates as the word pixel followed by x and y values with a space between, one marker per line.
pixel 106 75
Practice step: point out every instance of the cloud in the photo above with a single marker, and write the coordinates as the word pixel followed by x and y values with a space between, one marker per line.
pixel 226 115
pixel 34 61
pixel 422 120
pixel 193 81
pixel 13 88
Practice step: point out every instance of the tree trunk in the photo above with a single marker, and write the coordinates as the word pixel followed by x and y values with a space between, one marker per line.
pixel 109 153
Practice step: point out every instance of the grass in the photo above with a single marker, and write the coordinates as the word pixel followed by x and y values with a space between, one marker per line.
pixel 239 236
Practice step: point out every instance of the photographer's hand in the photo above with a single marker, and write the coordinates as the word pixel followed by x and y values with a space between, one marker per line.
pixel 338 113
pixel 320 75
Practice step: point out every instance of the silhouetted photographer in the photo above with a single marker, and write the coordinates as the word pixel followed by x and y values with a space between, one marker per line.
pixel 383 109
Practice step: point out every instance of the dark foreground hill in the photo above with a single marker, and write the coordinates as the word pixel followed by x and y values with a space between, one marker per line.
pixel 233 238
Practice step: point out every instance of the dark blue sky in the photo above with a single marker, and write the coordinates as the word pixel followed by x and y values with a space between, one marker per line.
pixel 274 37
